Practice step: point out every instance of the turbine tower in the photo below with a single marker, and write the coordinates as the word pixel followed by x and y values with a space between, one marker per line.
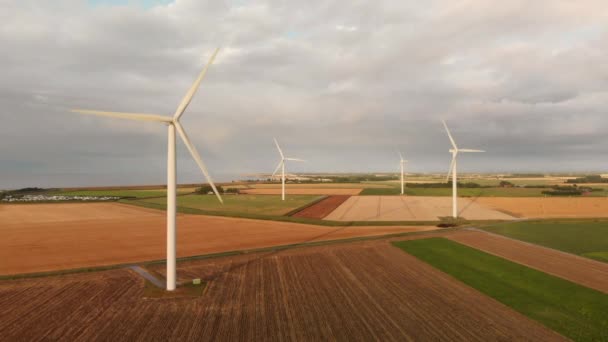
pixel 173 124
pixel 282 167
pixel 455 150
pixel 402 164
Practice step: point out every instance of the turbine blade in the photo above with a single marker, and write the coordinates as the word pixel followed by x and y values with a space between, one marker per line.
pixel 401 156
pixel 130 116
pixel 188 97
pixel 451 169
pixel 295 159
pixel 469 150
pixel 197 158
pixel 279 148
pixel 277 169
pixel 449 135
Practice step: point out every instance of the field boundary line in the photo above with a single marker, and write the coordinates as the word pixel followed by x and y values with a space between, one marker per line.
pixel 305 206
pixel 535 245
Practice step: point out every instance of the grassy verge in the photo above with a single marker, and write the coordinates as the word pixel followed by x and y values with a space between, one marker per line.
pixel 588 238
pixel 568 308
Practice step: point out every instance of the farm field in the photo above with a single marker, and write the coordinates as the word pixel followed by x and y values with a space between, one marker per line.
pixel 323 208
pixel 47 237
pixel 550 207
pixel 254 204
pixel 137 193
pixel 302 191
pixel 589 273
pixel 584 238
pixel 383 294
pixel 570 309
pixel 406 208
pixel 289 186
pixel 468 192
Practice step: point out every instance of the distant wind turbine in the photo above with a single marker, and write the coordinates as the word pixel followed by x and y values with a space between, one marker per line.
pixel 282 167
pixel 402 164
pixel 172 125
pixel 455 150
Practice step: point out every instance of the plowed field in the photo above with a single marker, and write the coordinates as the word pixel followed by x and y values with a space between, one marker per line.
pixel 323 208
pixel 364 292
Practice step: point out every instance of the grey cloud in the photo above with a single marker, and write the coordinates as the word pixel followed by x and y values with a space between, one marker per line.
pixel 526 81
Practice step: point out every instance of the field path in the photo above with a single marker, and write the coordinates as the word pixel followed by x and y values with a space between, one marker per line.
pixel 361 291
pixel 586 272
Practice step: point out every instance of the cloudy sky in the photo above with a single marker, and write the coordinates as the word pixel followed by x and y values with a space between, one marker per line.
pixel 342 84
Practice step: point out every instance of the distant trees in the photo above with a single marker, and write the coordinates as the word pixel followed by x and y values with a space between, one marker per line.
pixel 207 189
pixel 588 179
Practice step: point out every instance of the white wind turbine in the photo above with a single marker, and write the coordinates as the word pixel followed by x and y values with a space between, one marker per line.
pixel 282 167
pixel 402 164
pixel 172 125
pixel 455 150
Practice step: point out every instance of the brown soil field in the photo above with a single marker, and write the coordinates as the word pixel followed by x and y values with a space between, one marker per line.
pixel 366 292
pixel 411 208
pixel 302 191
pixel 589 273
pixel 549 207
pixel 323 208
pixel 46 237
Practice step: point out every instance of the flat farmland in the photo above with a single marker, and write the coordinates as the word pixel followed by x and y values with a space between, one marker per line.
pixel 364 291
pixel 302 191
pixel 550 207
pixel 406 208
pixel 248 204
pixel 322 208
pixel 589 273
pixel 47 237
pixel 361 185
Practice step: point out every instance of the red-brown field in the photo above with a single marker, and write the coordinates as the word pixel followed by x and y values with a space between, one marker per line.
pixel 45 237
pixel 323 208
pixel 363 291
pixel 587 272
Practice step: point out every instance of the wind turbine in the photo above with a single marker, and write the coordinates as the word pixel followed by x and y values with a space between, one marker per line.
pixel 173 124
pixel 402 164
pixel 282 167
pixel 455 150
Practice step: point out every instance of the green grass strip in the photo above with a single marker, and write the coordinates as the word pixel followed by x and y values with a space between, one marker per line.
pixel 587 238
pixel 570 309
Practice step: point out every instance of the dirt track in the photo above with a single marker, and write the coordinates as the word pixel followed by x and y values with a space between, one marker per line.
pixel 322 208
pixel 366 292
pixel 549 207
pixel 300 191
pixel 590 273
pixel 45 237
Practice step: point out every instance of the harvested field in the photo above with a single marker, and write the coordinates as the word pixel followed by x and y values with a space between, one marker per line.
pixel 46 237
pixel 365 292
pixel 323 208
pixel 550 207
pixel 589 273
pixel 302 191
pixel 407 208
